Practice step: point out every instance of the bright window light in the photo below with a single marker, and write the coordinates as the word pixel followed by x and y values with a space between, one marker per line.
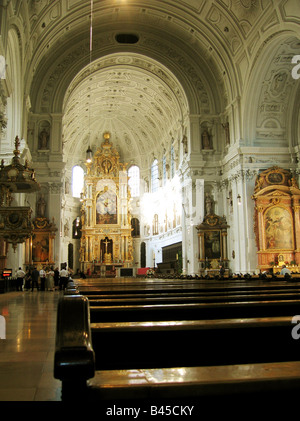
pixel 134 180
pixel 154 176
pixel 77 180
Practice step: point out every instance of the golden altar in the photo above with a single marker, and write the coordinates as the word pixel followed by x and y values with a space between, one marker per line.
pixel 106 241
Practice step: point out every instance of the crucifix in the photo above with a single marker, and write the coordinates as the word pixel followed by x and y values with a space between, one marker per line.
pixel 106 244
pixel 106 249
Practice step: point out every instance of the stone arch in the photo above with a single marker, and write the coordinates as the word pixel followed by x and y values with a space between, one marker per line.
pixel 56 74
pixel 271 106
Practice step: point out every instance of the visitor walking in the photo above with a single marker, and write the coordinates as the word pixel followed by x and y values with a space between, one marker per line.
pixel 20 275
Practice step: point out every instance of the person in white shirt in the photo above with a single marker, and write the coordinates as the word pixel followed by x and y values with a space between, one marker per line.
pixel 20 274
pixel 285 270
pixel 63 278
pixel 43 279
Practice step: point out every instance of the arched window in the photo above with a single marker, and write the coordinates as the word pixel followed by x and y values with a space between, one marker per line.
pixel 70 255
pixel 135 225
pixel 77 180
pixel 76 228
pixel 134 180
pixel 143 255
pixel 155 225
pixel 154 176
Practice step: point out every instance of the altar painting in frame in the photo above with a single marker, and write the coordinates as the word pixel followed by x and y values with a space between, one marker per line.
pixel 278 228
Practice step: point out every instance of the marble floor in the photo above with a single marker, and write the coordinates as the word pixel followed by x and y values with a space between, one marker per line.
pixel 28 326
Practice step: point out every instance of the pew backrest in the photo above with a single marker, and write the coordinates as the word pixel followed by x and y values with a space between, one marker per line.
pixel 74 354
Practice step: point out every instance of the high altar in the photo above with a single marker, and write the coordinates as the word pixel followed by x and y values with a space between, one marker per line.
pixel 277 219
pixel 106 242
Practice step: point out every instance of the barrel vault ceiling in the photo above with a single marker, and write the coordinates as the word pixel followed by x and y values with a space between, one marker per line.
pixel 180 58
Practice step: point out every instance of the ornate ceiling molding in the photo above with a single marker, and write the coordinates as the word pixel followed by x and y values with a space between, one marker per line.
pixel 49 87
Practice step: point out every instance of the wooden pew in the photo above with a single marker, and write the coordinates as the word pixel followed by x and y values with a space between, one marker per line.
pixel 76 361
pixel 234 280
pixel 266 384
pixel 129 345
pixel 184 287
pixel 67 368
pixel 201 302
pixel 126 299
pixel 194 311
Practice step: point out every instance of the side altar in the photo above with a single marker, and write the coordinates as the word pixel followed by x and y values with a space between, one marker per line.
pixel 106 241
pixel 277 219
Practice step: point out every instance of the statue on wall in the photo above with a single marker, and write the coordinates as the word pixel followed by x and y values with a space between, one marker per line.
pixel 41 207
pixel 66 228
pixel 185 144
pixel 206 141
pixel 208 204
pixel 44 139
pixel 227 133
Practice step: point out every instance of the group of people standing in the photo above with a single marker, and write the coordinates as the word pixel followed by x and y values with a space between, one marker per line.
pixel 43 280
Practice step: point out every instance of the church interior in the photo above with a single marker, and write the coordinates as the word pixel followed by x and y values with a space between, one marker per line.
pixel 147 142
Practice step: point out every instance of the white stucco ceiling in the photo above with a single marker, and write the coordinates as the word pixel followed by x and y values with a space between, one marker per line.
pixel 193 57
pixel 134 98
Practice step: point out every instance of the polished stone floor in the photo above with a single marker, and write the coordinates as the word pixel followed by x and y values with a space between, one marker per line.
pixel 27 350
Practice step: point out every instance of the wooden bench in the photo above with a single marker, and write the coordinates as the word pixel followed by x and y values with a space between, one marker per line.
pixel 82 348
pixel 203 386
pixel 154 303
pixel 123 281
pixel 77 348
pixel 193 343
pixel 194 311
pixel 279 289
pixel 185 287
pixel 188 298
